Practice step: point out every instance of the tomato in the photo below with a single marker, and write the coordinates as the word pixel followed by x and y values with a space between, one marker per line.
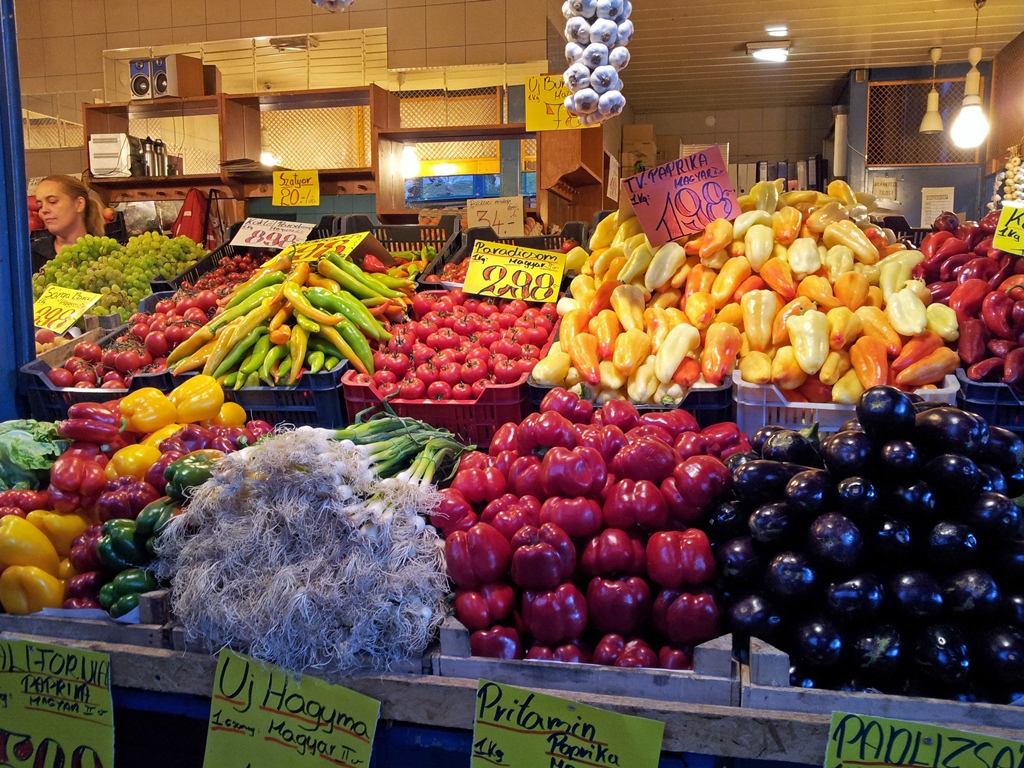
pixel 85 376
pixel 384 377
pixel 479 387
pixel 505 320
pixel 460 354
pixel 402 341
pixel 445 338
pixel 524 365
pixel 509 349
pixel 185 304
pixel 457 296
pixel 89 351
pixel 422 303
pixel 439 390
pixel 412 389
pixel 450 373
pixel 535 336
pixel 378 360
pixel 493 360
pixel 426 373
pixel 388 388
pixel 531 351
pixel 506 372
pixel 472 305
pixel 174 335
pixel 421 329
pixel 60 377
pixel 206 300
pixel 127 361
pixel 421 353
pixel 109 356
pixel 488 337
pixel 462 391
pixel 486 310
pixel 448 319
pixel 466 325
pixel 165 305
pixel 157 344
pixel 478 353
pixel 444 303
pixel 397 363
pixel 433 317
pixel 473 370
pixel 74 364
pixel 194 315
pixel 517 307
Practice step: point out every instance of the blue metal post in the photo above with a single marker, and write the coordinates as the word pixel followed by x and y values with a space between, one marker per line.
pixel 16 345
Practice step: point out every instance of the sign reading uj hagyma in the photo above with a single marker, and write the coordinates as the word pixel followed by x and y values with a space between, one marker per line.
pixel 683 196
pixel 55 706
pixel 856 741
pixel 263 716
pixel 519 728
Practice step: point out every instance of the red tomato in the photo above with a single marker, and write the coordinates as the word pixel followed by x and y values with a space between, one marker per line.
pixel 184 305
pixel 439 390
pixel 494 360
pixel 412 389
pixel 479 387
pixel 509 349
pixel 422 303
pixel 485 309
pixel 378 360
pixel 194 315
pixel 488 337
pixel 506 372
pixel 388 388
pixel 506 320
pixel 421 353
pixel 473 370
pixel 450 373
pixel 165 305
pixel 60 377
pixel 531 351
pixel 384 377
pixel 89 351
pixel 517 307
pixel 85 375
pixel 127 361
pixel 397 363
pixel 426 373
pixel 446 338
pixel 466 325
pixel 457 296
pixel 109 356
pixel 524 365
pixel 534 336
pixel 156 344
pixel 206 300
pixel 462 391
pixel 478 353
pixel 174 334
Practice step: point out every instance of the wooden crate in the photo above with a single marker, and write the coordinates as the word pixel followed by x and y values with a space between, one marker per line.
pixel 714 679
pixel 766 686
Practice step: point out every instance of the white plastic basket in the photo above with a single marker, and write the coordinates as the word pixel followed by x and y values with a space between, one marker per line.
pixel 758 405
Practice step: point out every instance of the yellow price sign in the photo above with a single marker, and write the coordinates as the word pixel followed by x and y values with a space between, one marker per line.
pixel 311 250
pixel 263 715
pixel 59 308
pixel 512 272
pixel 296 188
pixel 545 105
pixel 55 705
pixel 1009 234
pixel 521 728
pixel 855 741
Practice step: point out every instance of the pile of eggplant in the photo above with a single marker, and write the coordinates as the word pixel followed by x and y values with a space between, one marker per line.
pixel 886 557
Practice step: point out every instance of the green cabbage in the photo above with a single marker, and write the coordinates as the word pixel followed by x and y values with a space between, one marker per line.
pixel 28 449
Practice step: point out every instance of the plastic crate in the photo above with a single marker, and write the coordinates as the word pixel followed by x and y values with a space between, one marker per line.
pixel 406 237
pixel 758 405
pixel 148 304
pixel 709 405
pixel 995 403
pixel 314 401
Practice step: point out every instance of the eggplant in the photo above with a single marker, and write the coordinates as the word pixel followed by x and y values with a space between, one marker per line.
pixel 927 405
pixel 878 651
pixel 739 563
pixel 851 425
pixel 762 481
pixel 791 577
pixel 916 595
pixel 949 430
pixel 727 521
pixel 1015 483
pixel 900 459
pixel 952 546
pixel 755 616
pixel 858 499
pixel 856 599
pixel 788 445
pixel 999 654
pixel 811 492
pixel 1013 611
pixel 736 460
pixel 886 413
pixel 993 480
pixel 774 526
pixel 1004 449
pixel 915 501
pixel 996 516
pixel 971 594
pixel 941 655
pixel 835 542
pixel 848 453
pixel 954 478
pixel 891 541
pixel 801 678
pixel 819 643
pixel 1009 564
pixel 759 438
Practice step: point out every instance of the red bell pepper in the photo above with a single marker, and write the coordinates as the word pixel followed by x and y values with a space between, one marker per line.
pixel 524 477
pixel 542 558
pixel 951 266
pixel 614 552
pixel 496 643
pixel 1001 347
pixel 675 558
pixel 478 556
pixel 620 413
pixel 675 422
pixel 124 498
pixel 576 472
pixel 689 618
pixel 997 311
pixel 504 439
pixel 25 500
pixel 484 607
pixel 978 268
pixel 576 409
pixel 692 444
pixel 540 431
pixel 75 483
pixel 479 486
pixel 645 459
pixel 942 290
pixel 555 616
pixel 608 649
pixel 1013 286
pixel 607 440
pixel 83 555
pixel 259 428
pixel 641 431
pixel 373 265
pixel 569 653
pixel 622 606
pixel 674 658
pixel 967 297
pixel 635 504
pixel 974 336
pixel 696 485
pixel 87 430
pixel 950 247
pixel 475 460
pixel 87 584
pixel 452 513
pixel 1017 317
pixel 503 461
pixel 637 654
pixel 989 222
pixel 155 474
pixel 579 517
pixel 509 513
pixel 722 436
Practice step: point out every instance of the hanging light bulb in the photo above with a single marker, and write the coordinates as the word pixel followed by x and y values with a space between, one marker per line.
pixel 410 163
pixel 932 121
pixel 971 126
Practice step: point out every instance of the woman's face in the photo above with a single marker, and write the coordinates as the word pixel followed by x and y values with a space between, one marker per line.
pixel 60 212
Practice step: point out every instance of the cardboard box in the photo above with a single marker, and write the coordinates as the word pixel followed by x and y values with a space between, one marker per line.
pixel 645 153
pixel 669 149
pixel 637 134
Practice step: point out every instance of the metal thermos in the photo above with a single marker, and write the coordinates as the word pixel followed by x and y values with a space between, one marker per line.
pixel 161 157
pixel 149 157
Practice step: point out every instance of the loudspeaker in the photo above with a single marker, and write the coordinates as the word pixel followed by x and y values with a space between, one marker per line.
pixel 177 75
pixel 140 79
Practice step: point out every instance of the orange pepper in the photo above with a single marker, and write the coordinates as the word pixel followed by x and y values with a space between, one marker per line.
pixel 728 280
pixel 870 361
pixel 916 349
pixel 700 310
pixel 605 328
pixel 786 225
pixel 687 373
pixel 930 369
pixel 666 299
pixel 699 280
pixel 717 235
pixel 779 276
pixel 721 345
pixel 752 283
pixel 280 335
pixel 583 352
pixel 843 327
pixel 602 298
pixel 815 391
pixel 574 322
pixel 818 290
pixel 780 333
pixel 851 288
pixel 731 314
pixel 631 349
pixel 786 371
pixel 876 325
pixel 875 297
pixel 614 268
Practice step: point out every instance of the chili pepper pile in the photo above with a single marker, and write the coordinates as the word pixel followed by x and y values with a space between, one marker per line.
pixel 576 536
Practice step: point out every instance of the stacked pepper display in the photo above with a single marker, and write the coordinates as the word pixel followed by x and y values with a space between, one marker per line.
pixel 575 538
pixel 800 288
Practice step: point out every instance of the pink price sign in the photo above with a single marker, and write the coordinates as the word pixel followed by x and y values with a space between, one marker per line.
pixel 683 196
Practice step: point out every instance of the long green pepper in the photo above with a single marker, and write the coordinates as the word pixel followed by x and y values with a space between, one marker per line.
pixel 259 353
pixel 346 304
pixel 277 352
pixel 264 281
pixel 239 350
pixel 316 361
pixel 357 274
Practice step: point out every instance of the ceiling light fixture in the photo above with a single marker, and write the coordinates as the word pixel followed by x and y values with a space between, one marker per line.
pixel 410 162
pixel 775 51
pixel 932 121
pixel 293 43
pixel 776 30
pixel 971 127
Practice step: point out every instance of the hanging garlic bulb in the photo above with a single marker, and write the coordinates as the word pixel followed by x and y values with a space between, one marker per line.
pixel 597 32
pixel 334 6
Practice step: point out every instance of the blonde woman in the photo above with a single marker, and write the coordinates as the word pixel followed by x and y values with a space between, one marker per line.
pixel 68 213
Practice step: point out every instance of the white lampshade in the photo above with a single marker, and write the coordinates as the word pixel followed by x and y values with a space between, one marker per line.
pixel 932 121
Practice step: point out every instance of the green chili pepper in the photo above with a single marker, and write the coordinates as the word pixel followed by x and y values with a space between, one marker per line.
pixel 316 361
pixel 310 326
pixel 277 352
pixel 239 350
pixel 282 369
pixel 345 280
pixel 355 339
pixel 348 305
pixel 259 354
pixel 242 309
pixel 331 362
pixel 357 274
pixel 263 281
pixel 253 380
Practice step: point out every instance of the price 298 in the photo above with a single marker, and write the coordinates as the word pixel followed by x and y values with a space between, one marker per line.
pixel 518 284
pixel 687 212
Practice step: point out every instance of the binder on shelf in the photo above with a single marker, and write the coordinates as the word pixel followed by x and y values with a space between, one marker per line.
pixel 813 179
pixel 748 176
pixel 801 174
pixel 773 172
pixel 783 170
pixel 762 170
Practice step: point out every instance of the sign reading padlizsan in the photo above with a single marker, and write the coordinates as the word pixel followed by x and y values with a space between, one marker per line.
pixel 55 706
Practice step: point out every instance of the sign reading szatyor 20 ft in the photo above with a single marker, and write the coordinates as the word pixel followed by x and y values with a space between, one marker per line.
pixel 512 272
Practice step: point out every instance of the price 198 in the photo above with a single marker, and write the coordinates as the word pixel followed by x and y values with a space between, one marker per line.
pixel 687 212
pixel 520 284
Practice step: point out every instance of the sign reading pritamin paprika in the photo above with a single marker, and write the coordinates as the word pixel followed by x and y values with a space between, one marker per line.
pixel 512 272
pixel 1009 234
pixel 59 308
pixel 55 706
pixel 296 188
pixel 520 728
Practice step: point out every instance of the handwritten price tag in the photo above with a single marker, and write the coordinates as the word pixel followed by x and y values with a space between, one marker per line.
pixel 502 214
pixel 296 188
pixel 59 308
pixel 1009 234
pixel 516 727
pixel 683 196
pixel 55 706
pixel 545 107
pixel 271 233
pixel 511 272
pixel 260 716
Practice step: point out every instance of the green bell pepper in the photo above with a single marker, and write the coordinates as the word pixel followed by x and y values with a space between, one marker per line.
pixel 190 472
pixel 122 594
pixel 124 604
pixel 118 548
pixel 154 518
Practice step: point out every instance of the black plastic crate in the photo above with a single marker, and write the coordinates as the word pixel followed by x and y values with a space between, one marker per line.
pixel 406 237
pixel 148 304
pixel 995 403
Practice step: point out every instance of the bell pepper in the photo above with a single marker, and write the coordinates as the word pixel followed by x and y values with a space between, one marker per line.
pixel 844 326
pixel 742 224
pixel 835 367
pixel 478 556
pixel 605 328
pixel 717 235
pixel 190 472
pixel 89 430
pixel 164 433
pixel 675 558
pixel 570 405
pixel 579 517
pixel 583 352
pixel 915 350
pixel 895 270
pixel 658 323
pixel 555 616
pixel 643 382
pixel 798 306
pixel 930 369
pixel 967 298
pixel 618 605
pixel 613 552
pixel 721 345
pixel 153 519
pixel 803 257
pixel 786 371
pixel 756 368
pixel 700 309
pixel 920 289
pixel 543 431
pixel 635 504
pixel 869 358
pixel 974 338
pixel 147 410
pixel 61 530
pixel 848 389
pixel 83 556
pixel 728 280
pixel 628 302
pixel 997 312
pixel 819 290
pixel 876 325
pixel 849 234
pixel 765 196
pixel 759 242
pixel 86 585
pixel 119 548
pixel 230 414
pixel 786 225
pixel 699 482
pixel 820 218
pixel 687 618
pixel 838 261
pixel 779 277
pixel 667 260
pixel 121 595
pixel 683 340
pixel 809 337
pixel 631 349
pixel 942 320
pixel 496 643
pixel 22 543
pixel 479 609
pixel 132 461
pixel 27 589
pixel 759 311
pixel 542 558
pixel 573 472
pixel 638 258
pixel 552 369
pixel 906 313
pixel 198 399
pixel 452 513
pixel 124 497
pixel 851 288
pixel 479 485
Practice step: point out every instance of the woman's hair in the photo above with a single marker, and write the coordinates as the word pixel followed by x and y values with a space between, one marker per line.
pixel 93 213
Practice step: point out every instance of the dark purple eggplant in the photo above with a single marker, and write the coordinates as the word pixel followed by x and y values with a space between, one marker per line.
pixel 859 499
pixel 886 414
pixel 927 405
pixel 952 546
pixel 971 594
pixel 755 616
pixel 999 655
pixel 791 578
pixel 949 430
pixel 915 501
pixel 847 454
pixel 811 492
pixel 1015 483
pixel 1004 449
pixel 856 599
pixel 993 480
pixel 900 459
pixel 737 460
pixel 728 520
pixel 851 425
pixel 819 643
pixel 1009 564
pixel 788 445
pixel 878 651
pixel 835 542
pixel 954 478
pixel 996 516
pixel 774 526
pixel 890 542
pixel 941 655
pixel 1013 611
pixel 759 438
pixel 762 481
pixel 738 562
pixel 916 595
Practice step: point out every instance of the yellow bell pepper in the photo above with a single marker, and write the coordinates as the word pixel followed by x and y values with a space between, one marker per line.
pixel 759 310
pixel 803 257
pixel 731 314
pixel 819 290
pixel 666 262
pixel 849 234
pixel 876 325
pixel 66 570
pixel 759 242
pixel 895 270
pixel 851 288
pixel 716 260
pixel 848 389
pixel 132 461
pixel 942 320
pixel 835 367
pixel 552 369
pixel 808 334
pixel 722 344
pixel 628 302
pixel 627 230
pixel 733 272
pixel 682 341
pixel 26 589
pixel 667 298
pixel 603 233
pixel 844 326
pixel 162 434
pixel 581 287
pixel 656 325
pixel 700 309
pixel 575 259
pixel 717 236
pixel 875 298
pixel 779 277
pixel 611 379
pixel 756 368
pixel 21 543
pixel 198 399
pixel 230 415
pixel 147 410
pixel 780 334
pixel 600 260
pixel 61 530
pixel 838 261
pixel 921 289
pixel 826 214
pixel 786 371
pixel 642 383
pixel 746 220
pixel 786 225
pixel 765 196
pixel 631 349
pixel 840 190
pixel 906 313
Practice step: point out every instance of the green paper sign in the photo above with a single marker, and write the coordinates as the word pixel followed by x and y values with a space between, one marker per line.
pixel 520 728
pixel 856 741
pixel 263 716
pixel 55 706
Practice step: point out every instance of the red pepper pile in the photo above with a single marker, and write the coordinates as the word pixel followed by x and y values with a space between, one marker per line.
pixel 574 538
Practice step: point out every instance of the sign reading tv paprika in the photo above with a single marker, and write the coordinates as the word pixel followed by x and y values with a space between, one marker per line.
pixel 55 706
pixel 521 728
pixel 512 272
pixel 683 196
pixel 1009 234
